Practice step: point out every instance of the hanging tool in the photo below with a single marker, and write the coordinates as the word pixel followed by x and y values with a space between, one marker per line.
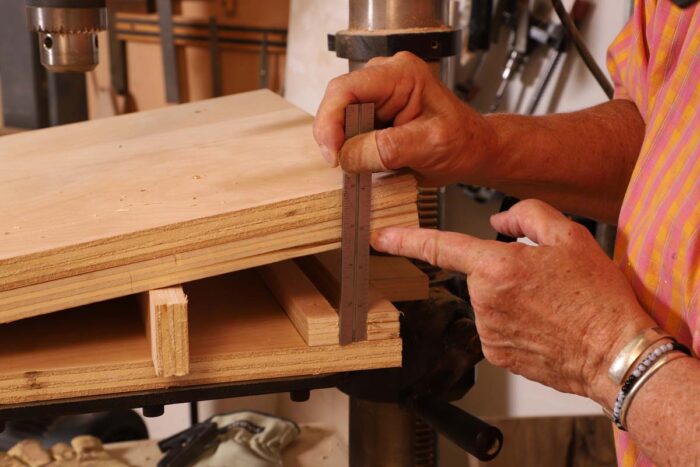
pixel 478 43
pixel 520 19
pixel 558 42
pixel 357 193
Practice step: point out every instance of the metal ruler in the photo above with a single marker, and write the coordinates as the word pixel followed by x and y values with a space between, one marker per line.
pixel 357 194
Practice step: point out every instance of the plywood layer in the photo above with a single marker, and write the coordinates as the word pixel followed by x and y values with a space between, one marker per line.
pixel 238 332
pixel 116 206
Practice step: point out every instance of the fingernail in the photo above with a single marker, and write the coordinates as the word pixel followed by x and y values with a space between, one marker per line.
pixel 328 155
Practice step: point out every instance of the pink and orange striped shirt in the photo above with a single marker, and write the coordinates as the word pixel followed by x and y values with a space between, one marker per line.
pixel 655 62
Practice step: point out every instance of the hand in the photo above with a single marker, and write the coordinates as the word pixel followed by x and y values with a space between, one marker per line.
pixel 442 139
pixel 557 313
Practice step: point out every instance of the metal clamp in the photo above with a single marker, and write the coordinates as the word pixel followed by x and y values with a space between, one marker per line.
pixel 428 44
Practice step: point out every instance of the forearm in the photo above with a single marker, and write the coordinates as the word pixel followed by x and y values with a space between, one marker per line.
pixel 581 162
pixel 663 417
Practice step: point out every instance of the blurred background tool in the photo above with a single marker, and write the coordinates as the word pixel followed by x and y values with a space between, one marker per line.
pixel 67 31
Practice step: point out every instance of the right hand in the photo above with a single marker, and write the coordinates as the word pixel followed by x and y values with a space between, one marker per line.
pixel 436 135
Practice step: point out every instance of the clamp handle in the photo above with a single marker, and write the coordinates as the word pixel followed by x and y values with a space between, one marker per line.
pixel 472 434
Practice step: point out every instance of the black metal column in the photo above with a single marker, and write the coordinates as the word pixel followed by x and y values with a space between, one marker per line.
pixel 381 434
pixel 171 69
pixel 67 98
pixel 24 93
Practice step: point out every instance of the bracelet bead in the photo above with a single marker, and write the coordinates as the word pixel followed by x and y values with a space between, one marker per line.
pixel 652 361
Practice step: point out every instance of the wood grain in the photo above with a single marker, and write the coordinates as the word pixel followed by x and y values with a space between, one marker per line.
pixel 115 206
pixel 164 314
pixel 307 308
pixel 238 332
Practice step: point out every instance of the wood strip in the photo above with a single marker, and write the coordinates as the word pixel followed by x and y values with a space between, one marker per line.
pixel 165 317
pixel 307 308
pixel 141 192
pixel 238 332
pixel 324 271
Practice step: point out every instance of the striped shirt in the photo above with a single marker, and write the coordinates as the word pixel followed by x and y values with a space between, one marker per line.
pixel 655 63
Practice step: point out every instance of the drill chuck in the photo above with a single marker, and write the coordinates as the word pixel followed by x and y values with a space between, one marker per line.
pixel 67 32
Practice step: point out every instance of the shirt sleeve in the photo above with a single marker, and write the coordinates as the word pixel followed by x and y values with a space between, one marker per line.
pixel 619 61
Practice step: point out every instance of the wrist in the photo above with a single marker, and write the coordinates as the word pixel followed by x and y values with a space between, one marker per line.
pixel 501 149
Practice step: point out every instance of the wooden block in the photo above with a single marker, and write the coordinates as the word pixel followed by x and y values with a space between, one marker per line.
pixel 126 204
pixel 238 333
pixel 307 308
pixel 324 271
pixel 165 316
pixel 397 279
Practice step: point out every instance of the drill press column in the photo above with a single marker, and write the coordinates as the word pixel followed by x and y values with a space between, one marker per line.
pixel 384 433
pixel 404 25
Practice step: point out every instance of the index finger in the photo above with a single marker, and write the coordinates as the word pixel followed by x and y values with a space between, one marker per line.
pixel 448 250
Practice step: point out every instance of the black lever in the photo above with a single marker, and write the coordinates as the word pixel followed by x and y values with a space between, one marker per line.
pixel 475 436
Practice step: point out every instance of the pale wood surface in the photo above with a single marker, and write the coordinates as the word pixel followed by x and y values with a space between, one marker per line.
pixel 165 317
pixel 308 309
pixel 238 332
pixel 116 206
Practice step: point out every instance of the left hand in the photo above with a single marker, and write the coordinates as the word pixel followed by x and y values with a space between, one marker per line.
pixel 557 313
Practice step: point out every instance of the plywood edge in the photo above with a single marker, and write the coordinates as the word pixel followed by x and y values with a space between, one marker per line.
pixel 167 330
pixel 309 311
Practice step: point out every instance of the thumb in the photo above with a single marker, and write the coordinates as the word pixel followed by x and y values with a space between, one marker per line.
pixel 537 221
pixel 361 154
pixel 388 149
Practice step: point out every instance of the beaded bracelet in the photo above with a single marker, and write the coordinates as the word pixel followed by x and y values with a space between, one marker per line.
pixel 654 360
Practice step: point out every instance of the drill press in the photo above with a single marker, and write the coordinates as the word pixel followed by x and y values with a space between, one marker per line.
pixel 67 31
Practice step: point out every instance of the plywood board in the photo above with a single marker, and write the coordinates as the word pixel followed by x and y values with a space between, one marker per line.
pixel 115 206
pixel 238 332
pixel 165 317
